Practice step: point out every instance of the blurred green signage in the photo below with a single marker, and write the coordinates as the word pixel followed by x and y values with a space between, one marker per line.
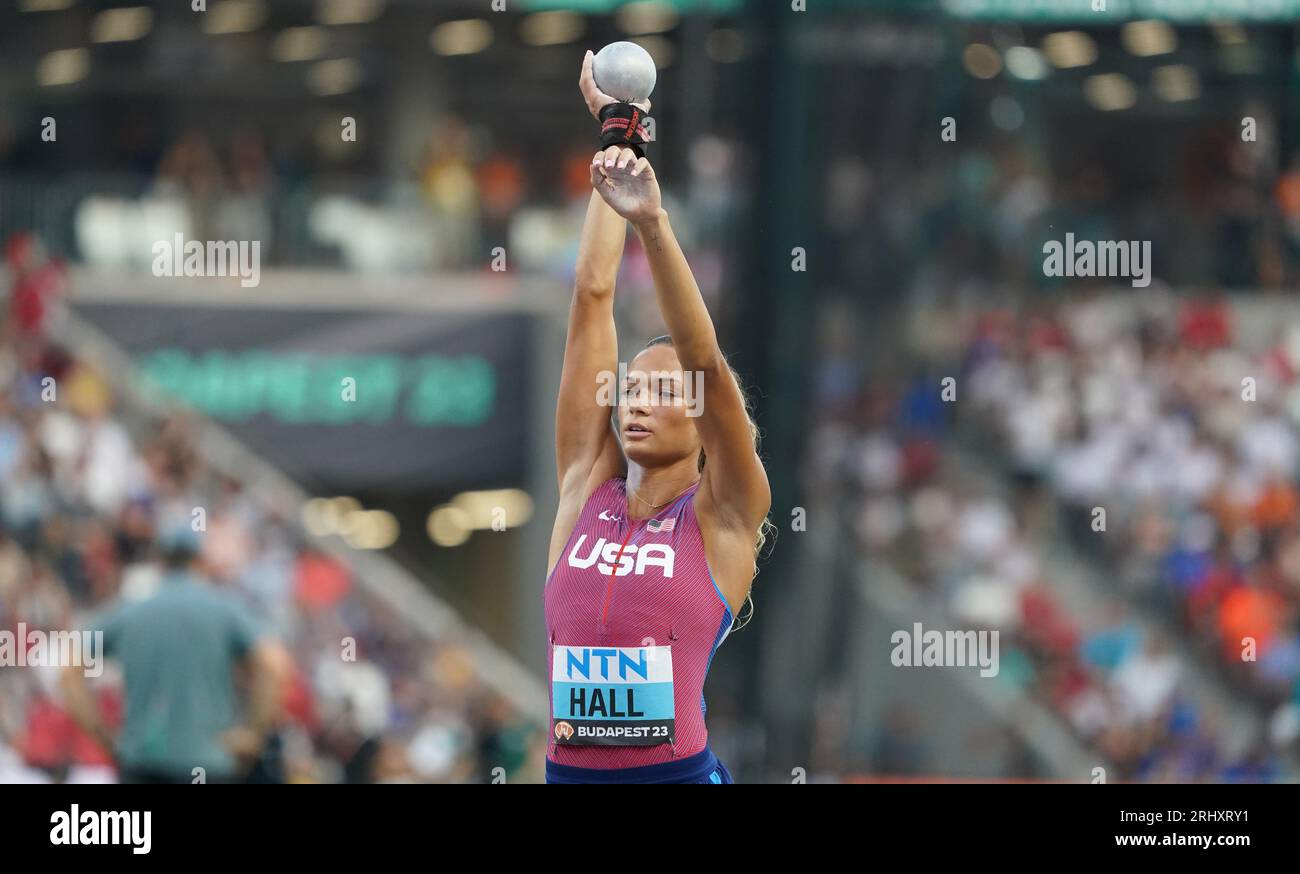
pixel 349 398
pixel 298 389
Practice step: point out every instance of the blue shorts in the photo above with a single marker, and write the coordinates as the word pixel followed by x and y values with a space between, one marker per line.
pixel 703 767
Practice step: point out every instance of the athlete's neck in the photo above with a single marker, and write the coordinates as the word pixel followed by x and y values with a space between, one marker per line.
pixel 650 489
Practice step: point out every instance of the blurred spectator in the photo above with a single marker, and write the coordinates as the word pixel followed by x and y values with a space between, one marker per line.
pixel 178 651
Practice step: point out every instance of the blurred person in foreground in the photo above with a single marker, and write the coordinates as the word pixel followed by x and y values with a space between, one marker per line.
pixel 180 650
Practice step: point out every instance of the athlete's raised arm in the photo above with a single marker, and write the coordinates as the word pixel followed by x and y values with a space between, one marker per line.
pixel 583 433
pixel 735 488
pixel 582 424
pixel 586 448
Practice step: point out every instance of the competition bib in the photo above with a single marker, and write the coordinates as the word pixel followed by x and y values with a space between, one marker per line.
pixel 612 695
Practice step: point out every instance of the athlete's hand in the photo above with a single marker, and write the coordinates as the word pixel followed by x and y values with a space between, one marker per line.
pixel 627 183
pixel 597 99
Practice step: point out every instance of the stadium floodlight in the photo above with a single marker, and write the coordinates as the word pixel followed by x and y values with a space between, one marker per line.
pixel 123 24
pixel 647 17
pixel 982 61
pixel 299 44
pixel 1025 62
pixel 337 76
pixel 348 11
pixel 1070 48
pixel 552 28
pixel 1149 38
pixel 1110 92
pixel 1176 83
pixel 465 37
pixel 234 16
pixel 63 67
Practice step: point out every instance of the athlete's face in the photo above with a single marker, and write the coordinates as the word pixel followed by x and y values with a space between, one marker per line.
pixel 656 412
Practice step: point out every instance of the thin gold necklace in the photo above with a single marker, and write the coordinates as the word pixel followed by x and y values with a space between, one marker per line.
pixel 665 503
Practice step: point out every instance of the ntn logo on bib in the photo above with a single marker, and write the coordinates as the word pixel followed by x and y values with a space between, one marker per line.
pixel 620 664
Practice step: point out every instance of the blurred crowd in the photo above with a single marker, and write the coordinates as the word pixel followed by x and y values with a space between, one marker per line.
pixel 930 267
pixel 974 215
pixel 1137 410
pixel 85 490
pixel 459 193
pixel 1189 443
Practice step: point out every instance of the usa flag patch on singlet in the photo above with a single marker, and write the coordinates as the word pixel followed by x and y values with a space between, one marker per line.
pixel 658 526
pixel 612 695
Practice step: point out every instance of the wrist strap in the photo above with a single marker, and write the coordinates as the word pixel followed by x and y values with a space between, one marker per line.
pixel 623 124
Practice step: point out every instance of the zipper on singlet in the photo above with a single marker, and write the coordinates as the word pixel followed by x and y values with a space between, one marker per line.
pixel 609 584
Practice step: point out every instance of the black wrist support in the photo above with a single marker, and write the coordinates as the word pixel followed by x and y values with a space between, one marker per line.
pixel 622 124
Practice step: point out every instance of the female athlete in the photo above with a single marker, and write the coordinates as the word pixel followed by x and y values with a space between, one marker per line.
pixel 662 509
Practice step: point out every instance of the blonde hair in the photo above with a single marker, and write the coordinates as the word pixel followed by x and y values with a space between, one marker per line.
pixel 766 528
